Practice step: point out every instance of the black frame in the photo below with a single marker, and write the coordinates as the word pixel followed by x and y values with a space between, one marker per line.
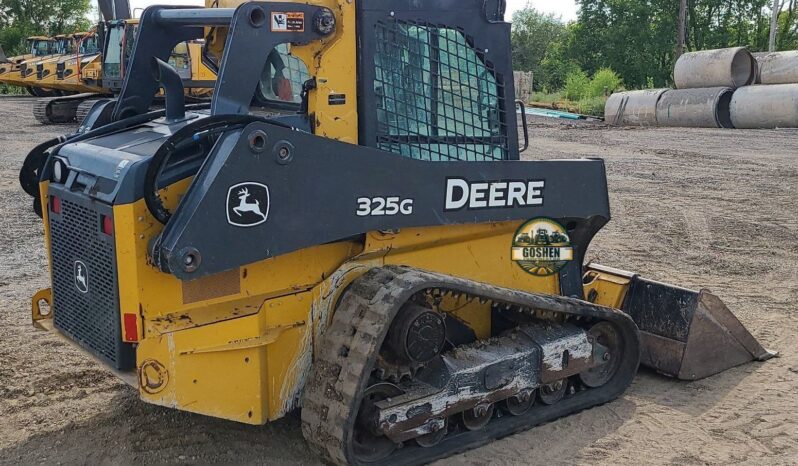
pixel 490 34
pixel 249 40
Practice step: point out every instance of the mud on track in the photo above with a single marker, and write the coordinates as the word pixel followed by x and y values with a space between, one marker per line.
pixel 708 208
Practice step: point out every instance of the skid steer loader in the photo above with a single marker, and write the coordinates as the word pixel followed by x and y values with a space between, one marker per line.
pixel 370 249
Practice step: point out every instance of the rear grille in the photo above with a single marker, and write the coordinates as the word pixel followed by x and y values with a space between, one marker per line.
pixel 86 310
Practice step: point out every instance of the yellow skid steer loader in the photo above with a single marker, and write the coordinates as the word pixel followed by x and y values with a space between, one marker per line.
pixel 367 246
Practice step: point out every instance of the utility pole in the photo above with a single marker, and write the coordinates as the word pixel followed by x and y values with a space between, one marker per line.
pixel 774 25
pixel 680 36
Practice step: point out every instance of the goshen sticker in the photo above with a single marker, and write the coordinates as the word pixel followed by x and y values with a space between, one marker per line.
pixel 542 247
pixel 288 22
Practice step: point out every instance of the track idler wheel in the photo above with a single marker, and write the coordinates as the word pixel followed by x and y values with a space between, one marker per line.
pixel 368 445
pixel 478 417
pixel 610 348
pixel 553 392
pixel 519 404
pixel 434 438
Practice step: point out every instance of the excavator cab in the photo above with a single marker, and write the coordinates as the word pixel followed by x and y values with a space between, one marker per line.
pixel 120 38
pixel 368 247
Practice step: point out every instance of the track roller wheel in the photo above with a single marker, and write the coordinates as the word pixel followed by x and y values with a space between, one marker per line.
pixel 610 349
pixel 520 403
pixel 430 440
pixel 553 392
pixel 369 446
pixel 479 417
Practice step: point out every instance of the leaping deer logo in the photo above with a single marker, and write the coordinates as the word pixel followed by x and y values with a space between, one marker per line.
pixel 81 277
pixel 247 204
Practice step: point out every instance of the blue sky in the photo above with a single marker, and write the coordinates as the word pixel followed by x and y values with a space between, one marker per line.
pixel 564 8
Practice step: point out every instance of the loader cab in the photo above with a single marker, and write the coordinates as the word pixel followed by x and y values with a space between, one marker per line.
pixel 88 44
pixel 118 45
pixel 65 44
pixel 180 59
pixel 41 46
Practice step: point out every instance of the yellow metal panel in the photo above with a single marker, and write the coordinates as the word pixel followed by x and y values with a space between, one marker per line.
pixel 606 289
pixel 278 335
pixel 244 370
pixel 158 297
pixel 225 384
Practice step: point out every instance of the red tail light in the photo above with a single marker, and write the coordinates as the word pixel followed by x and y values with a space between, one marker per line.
pixel 55 205
pixel 130 327
pixel 108 225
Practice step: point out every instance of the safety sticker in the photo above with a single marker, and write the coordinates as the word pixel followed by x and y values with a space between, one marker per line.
pixel 542 247
pixel 288 22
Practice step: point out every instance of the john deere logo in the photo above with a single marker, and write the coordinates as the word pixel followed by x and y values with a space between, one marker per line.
pixel 81 277
pixel 542 247
pixel 247 204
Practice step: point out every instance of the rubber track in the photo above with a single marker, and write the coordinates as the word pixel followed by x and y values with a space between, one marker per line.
pixel 40 110
pixel 45 108
pixel 84 108
pixel 347 351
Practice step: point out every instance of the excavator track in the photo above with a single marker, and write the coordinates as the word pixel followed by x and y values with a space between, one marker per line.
pixel 348 354
pixel 59 110
pixel 84 108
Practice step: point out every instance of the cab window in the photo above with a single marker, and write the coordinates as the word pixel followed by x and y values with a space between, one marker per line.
pixel 282 79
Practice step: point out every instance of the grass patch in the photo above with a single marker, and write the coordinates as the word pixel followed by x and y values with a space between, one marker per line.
pixel 6 89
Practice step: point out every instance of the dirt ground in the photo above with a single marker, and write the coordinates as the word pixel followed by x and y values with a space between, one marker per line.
pixel 702 208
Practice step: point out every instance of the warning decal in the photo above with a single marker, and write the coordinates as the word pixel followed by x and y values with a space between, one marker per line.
pixel 288 22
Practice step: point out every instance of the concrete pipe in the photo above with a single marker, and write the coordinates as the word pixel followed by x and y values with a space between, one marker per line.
pixel 766 107
pixel 733 68
pixel 633 108
pixel 777 67
pixel 695 108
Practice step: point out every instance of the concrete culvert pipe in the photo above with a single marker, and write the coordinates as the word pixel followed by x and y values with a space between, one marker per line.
pixel 695 108
pixel 777 67
pixel 765 107
pixel 633 108
pixel 733 68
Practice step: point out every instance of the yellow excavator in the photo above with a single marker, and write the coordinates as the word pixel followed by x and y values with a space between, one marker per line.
pixel 36 46
pixel 64 73
pixel 14 70
pixel 96 69
pixel 365 244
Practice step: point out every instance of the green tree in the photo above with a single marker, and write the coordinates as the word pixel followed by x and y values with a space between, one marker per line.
pixel 537 41
pixel 23 18
pixel 637 38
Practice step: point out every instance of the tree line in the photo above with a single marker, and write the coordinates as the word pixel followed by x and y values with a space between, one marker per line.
pixel 20 19
pixel 637 38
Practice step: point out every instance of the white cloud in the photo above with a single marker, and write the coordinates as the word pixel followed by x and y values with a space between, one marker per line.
pixel 565 8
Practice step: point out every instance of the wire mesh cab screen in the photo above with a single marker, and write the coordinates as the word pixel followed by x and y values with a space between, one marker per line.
pixel 431 90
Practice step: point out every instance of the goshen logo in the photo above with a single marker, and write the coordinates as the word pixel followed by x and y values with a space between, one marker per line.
pixel 542 247
pixel 462 194
pixel 81 277
pixel 247 204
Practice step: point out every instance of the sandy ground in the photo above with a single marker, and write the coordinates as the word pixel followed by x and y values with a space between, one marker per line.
pixel 703 208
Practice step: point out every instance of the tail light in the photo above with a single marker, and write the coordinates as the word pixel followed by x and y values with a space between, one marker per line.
pixel 107 225
pixel 55 204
